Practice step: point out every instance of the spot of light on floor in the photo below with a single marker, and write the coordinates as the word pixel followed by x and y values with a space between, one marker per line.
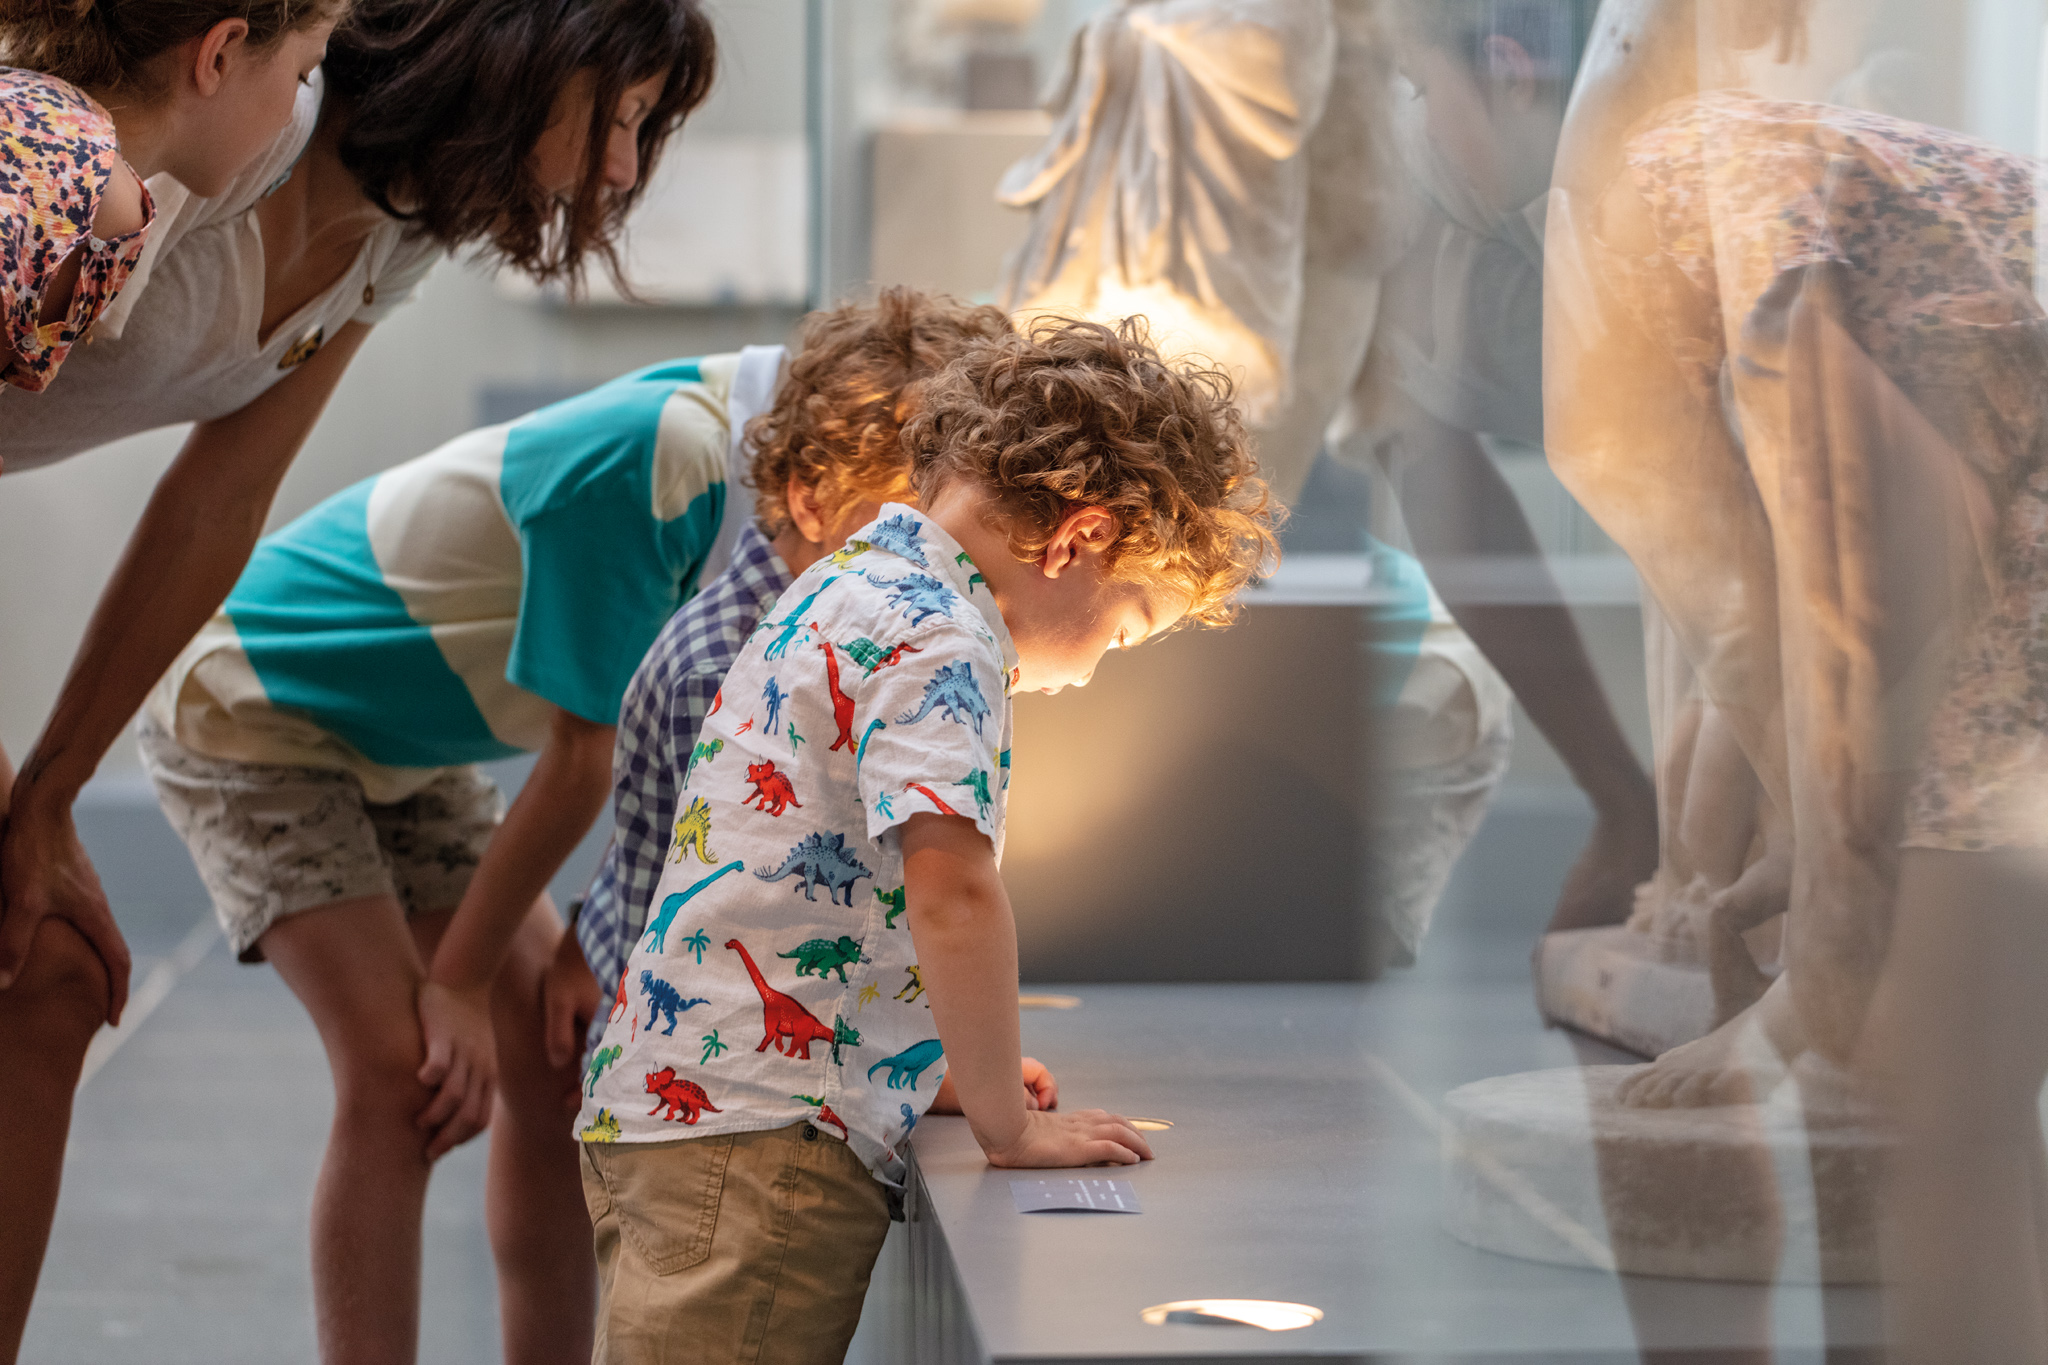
pixel 1270 1314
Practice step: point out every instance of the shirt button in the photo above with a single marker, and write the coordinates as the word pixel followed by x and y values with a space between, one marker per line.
pixel 810 1132
pixel 369 294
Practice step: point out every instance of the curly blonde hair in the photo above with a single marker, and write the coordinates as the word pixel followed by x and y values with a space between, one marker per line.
pixel 837 420
pixel 1077 414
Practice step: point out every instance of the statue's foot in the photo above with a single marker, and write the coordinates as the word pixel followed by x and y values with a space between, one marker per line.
pixel 1732 1065
pixel 1601 887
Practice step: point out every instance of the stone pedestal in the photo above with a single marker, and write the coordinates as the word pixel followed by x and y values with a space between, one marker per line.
pixel 1546 1166
pixel 1621 985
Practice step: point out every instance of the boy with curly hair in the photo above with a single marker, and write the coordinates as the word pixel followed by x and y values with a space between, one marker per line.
pixel 1078 494
pixel 820 460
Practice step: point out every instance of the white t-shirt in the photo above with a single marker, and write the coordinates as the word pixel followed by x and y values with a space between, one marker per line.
pixel 183 344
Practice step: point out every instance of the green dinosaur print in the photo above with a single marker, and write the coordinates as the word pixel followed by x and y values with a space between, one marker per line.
pixel 599 1060
pixel 895 901
pixel 853 549
pixel 977 782
pixel 807 1099
pixel 705 751
pixel 843 1035
pixel 974 578
pixel 795 739
pixel 872 658
pixel 822 955
pixel 713 1047
pixel 603 1128
pixel 1003 764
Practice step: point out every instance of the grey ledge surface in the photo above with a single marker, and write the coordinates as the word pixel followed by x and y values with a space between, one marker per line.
pixel 1303 1166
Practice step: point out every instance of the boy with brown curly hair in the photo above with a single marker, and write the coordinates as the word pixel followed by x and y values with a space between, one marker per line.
pixel 821 458
pixel 1078 494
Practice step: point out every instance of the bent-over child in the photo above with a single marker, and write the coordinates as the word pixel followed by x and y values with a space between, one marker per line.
pixel 316 748
pixel 831 939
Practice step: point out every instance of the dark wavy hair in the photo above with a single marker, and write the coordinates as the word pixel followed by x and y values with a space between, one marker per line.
pixel 445 99
pixel 1081 415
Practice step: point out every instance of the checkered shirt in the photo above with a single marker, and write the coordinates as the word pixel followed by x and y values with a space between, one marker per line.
pixel 664 708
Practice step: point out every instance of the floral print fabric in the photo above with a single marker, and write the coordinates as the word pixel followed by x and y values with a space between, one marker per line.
pixel 1933 240
pixel 57 157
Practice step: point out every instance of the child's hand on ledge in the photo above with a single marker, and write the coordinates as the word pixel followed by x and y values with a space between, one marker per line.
pixel 1084 1137
pixel 1041 1091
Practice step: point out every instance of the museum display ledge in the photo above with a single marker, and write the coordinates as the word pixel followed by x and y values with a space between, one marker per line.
pixel 1303 1168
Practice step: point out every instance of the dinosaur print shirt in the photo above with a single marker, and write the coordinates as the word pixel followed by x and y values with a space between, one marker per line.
pixel 776 981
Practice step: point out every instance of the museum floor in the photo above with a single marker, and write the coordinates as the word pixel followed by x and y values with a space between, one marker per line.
pixel 182 1231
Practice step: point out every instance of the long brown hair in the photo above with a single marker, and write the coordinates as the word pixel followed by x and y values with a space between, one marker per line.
pixel 109 44
pixel 445 99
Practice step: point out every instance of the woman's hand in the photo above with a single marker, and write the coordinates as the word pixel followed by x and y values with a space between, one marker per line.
pixel 44 871
pixel 1041 1091
pixel 1084 1137
pixel 569 1000
pixel 461 1066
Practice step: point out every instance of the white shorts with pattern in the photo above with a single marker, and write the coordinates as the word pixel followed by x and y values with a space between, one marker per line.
pixel 272 840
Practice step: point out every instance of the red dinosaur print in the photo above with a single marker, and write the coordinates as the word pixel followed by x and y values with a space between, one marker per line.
pixel 933 797
pixel 773 791
pixel 894 655
pixel 684 1100
pixel 826 1116
pixel 717 700
pixel 618 1001
pixel 745 726
pixel 784 1022
pixel 842 705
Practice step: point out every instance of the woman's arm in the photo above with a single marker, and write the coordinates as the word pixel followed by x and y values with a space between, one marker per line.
pixel 184 556
pixel 561 799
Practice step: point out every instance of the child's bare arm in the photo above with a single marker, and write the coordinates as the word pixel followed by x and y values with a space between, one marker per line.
pixel 560 800
pixel 959 918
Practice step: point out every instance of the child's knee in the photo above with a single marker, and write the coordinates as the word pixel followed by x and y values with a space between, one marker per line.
pixel 376 1075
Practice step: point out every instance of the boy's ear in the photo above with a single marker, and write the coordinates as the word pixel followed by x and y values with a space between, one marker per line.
pixel 802 501
pixel 1083 531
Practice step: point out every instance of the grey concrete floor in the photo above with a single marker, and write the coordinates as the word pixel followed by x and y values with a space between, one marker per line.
pixel 182 1231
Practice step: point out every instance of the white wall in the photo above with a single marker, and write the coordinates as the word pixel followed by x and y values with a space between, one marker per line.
pixel 416 384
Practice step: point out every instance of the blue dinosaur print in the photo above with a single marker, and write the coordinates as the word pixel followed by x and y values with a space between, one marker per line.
pixel 664 999
pixel 821 860
pixel 899 536
pixel 862 751
pixel 917 595
pixel 792 623
pixel 954 688
pixel 657 932
pixel 774 696
pixel 1003 762
pixel 910 1062
pixel 909 1119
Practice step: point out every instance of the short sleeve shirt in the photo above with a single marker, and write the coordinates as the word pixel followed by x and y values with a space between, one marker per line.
pixel 435 614
pixel 57 157
pixel 776 981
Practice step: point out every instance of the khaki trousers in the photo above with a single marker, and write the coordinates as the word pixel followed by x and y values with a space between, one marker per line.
pixel 737 1247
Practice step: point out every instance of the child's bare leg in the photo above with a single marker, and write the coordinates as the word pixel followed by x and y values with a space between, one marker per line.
pixel 540 1228
pixel 1957 1047
pixel 47 1018
pixel 355 967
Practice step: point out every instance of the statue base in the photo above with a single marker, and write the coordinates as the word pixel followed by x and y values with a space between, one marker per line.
pixel 1617 985
pixel 1547 1167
